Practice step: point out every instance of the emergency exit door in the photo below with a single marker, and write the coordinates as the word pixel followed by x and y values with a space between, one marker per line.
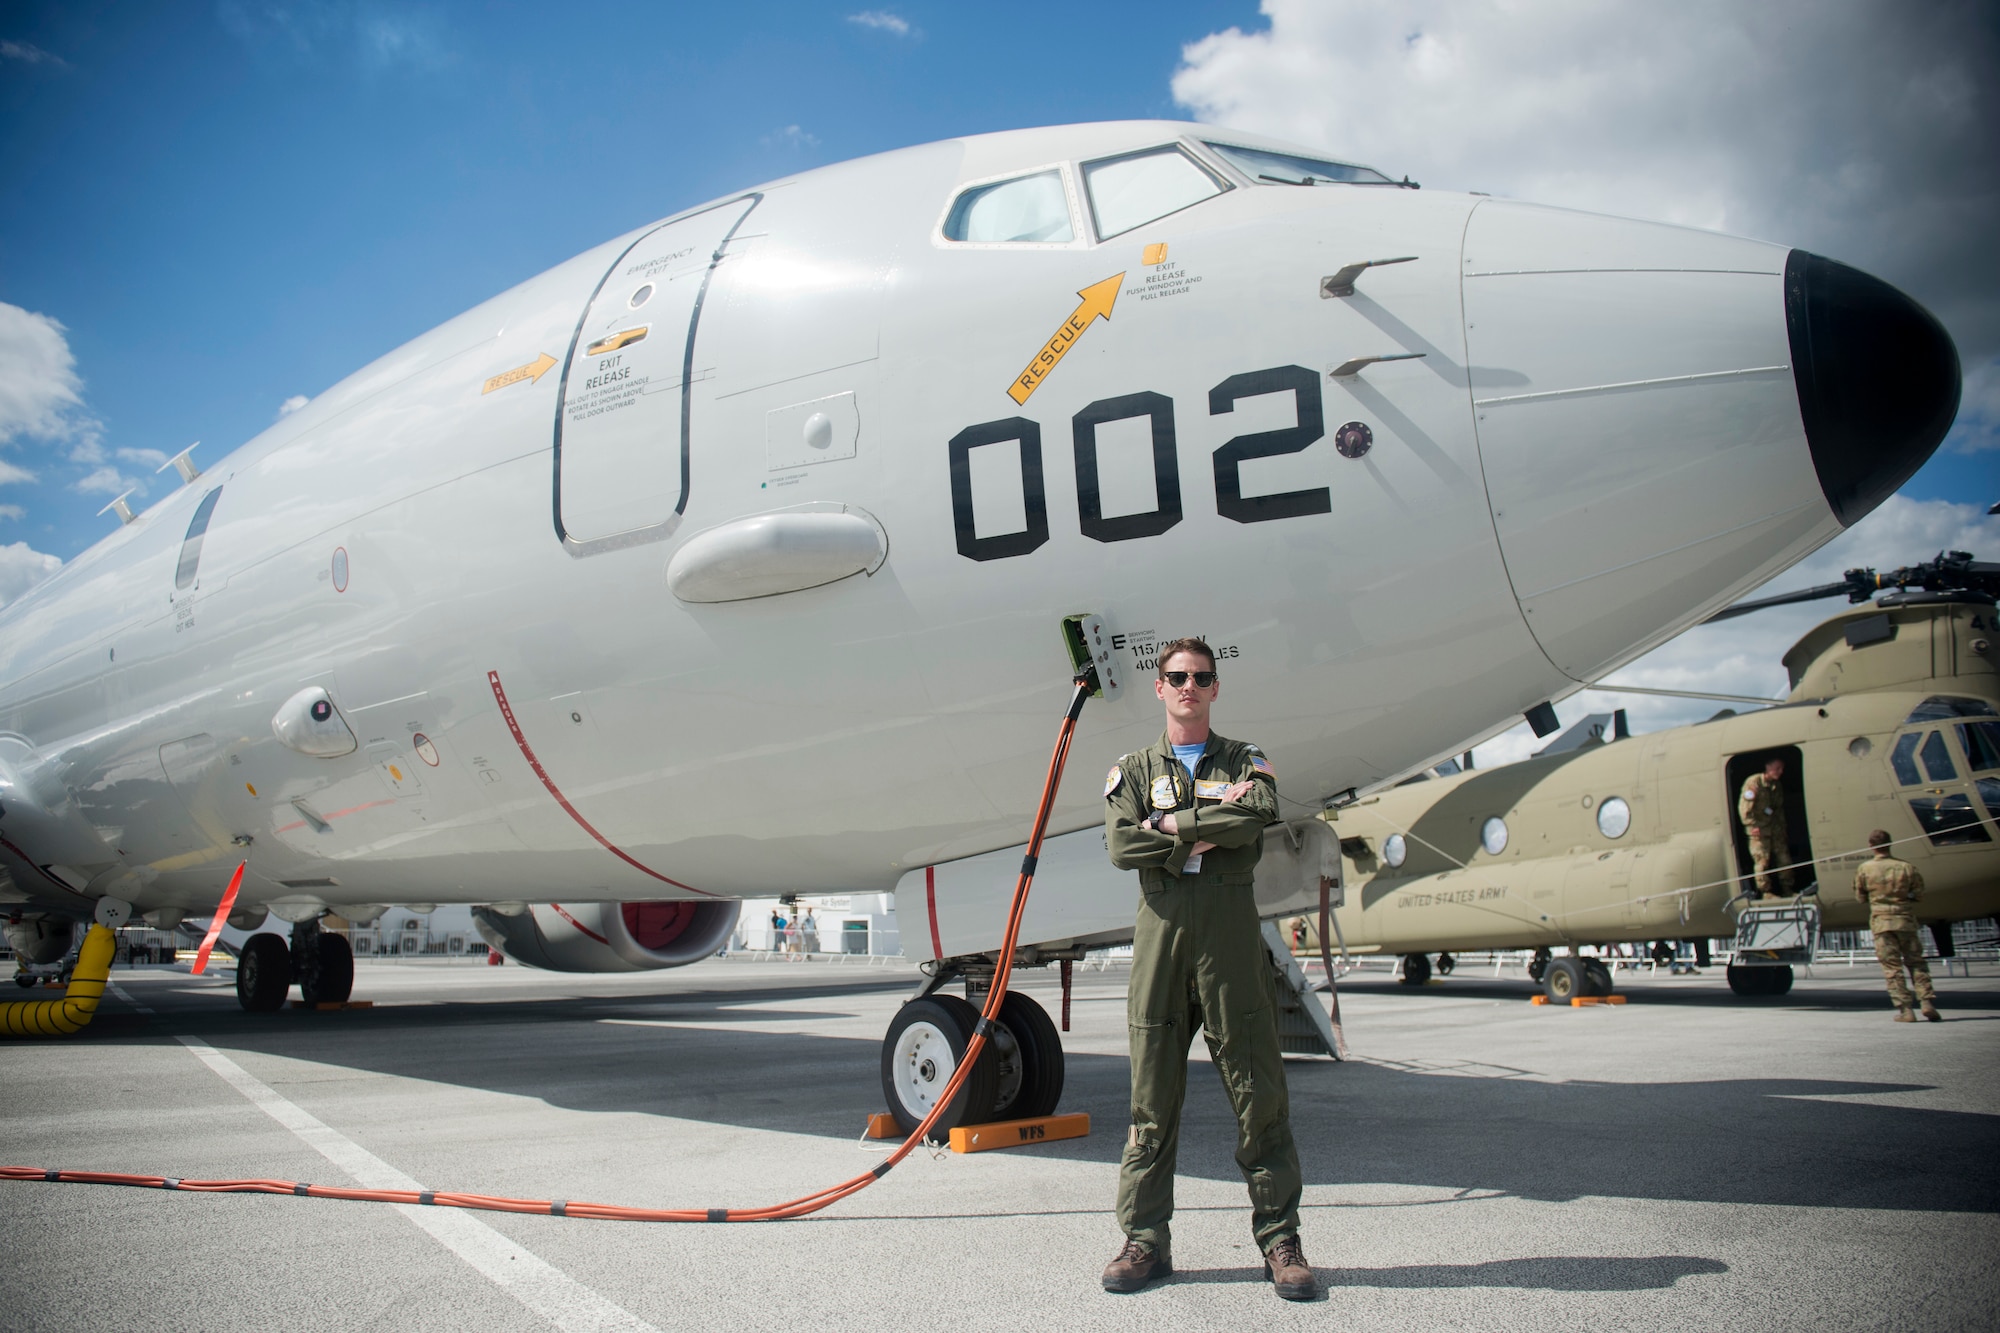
pixel 624 424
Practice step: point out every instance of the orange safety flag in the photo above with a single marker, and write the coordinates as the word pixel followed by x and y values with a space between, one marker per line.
pixel 221 915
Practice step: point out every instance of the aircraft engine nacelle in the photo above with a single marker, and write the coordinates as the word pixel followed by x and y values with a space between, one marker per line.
pixel 608 937
pixel 40 940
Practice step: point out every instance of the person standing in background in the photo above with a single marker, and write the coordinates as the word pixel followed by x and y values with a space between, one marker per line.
pixel 1891 888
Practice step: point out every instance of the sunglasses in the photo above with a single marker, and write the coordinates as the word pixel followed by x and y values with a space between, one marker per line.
pixel 1202 679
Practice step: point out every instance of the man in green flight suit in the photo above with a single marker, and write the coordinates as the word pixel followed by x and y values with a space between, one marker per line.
pixel 1189 815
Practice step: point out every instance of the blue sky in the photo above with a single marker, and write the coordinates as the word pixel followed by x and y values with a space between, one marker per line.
pixel 209 209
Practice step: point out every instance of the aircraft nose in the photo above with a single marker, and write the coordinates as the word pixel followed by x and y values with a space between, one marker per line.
pixel 1877 376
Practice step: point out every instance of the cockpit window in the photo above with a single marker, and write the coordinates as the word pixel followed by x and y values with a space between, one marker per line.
pixel 1944 707
pixel 1904 759
pixel 1937 759
pixel 1130 191
pixel 1982 745
pixel 1949 820
pixel 1261 164
pixel 191 544
pixel 1025 209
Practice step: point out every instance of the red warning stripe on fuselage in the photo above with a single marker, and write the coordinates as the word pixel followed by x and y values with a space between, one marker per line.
pixel 930 909
pixel 528 753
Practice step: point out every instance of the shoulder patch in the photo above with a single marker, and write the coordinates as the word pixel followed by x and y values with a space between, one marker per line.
pixel 1263 765
pixel 1113 778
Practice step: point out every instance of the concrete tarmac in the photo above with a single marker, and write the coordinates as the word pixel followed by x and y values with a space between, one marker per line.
pixel 1687 1159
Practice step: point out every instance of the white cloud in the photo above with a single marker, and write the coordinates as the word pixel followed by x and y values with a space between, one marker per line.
pixel 21 568
pixel 153 458
pixel 12 511
pixel 291 405
pixel 29 54
pixel 1865 130
pixel 9 472
pixel 41 395
pixel 1744 656
pixel 882 21
pixel 791 136
pixel 108 480
pixel 1978 424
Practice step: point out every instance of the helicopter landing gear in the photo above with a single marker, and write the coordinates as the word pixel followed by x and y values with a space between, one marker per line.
pixel 1758 982
pixel 1416 969
pixel 1538 966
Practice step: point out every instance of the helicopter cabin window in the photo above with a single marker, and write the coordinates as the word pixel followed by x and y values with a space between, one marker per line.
pixel 1261 164
pixel 1027 209
pixel 1989 792
pixel 1982 745
pixel 1944 707
pixel 1614 817
pixel 191 544
pixel 1130 191
pixel 1949 820
pixel 1904 759
pixel 1937 759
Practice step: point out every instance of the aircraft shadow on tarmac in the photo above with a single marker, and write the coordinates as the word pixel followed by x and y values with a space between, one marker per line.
pixel 1732 1141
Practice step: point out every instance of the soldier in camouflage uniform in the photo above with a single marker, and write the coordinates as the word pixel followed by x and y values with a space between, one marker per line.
pixel 1891 888
pixel 1189 815
pixel 1761 806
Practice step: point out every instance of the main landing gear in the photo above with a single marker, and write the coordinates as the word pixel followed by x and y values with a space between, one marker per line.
pixel 320 961
pixel 1018 1076
pixel 1574 977
pixel 1758 981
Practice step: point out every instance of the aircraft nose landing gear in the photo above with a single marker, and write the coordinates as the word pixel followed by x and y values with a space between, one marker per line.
pixel 1019 1075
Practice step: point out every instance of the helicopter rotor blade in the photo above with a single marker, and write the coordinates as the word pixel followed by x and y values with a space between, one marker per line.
pixel 1782 599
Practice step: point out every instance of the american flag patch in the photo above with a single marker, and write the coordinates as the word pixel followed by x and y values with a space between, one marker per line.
pixel 1263 765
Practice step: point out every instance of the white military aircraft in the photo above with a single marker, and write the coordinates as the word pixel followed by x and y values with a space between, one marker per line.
pixel 733 556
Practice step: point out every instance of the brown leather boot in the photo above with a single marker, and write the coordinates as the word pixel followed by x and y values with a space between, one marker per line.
pixel 1134 1267
pixel 1931 1015
pixel 1286 1267
pixel 1903 1014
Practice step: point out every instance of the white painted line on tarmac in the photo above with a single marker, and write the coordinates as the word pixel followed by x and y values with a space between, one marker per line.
pixel 543 1288
pixel 124 995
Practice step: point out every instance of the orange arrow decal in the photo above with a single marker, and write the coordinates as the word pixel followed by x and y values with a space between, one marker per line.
pixel 531 372
pixel 1098 298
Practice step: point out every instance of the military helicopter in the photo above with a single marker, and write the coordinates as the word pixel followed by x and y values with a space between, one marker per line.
pixel 1892 721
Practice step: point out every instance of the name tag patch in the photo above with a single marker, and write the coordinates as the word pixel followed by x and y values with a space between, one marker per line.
pixel 1209 789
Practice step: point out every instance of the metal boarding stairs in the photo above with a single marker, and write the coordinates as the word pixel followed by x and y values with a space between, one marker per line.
pixel 1783 935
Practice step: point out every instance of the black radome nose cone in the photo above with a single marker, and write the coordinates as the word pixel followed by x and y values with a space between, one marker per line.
pixel 1877 377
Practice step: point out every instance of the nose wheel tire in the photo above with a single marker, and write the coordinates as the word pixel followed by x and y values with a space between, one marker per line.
pixel 263 973
pixel 1034 1083
pixel 926 1041
pixel 1416 969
